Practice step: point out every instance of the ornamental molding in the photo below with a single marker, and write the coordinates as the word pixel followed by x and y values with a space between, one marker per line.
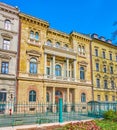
pixel 3 56
pixel 6 35
pixel 98 76
pixel 84 63
pixel 33 53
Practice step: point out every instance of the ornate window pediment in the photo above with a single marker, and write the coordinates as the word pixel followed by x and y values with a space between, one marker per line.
pixel 6 35
pixel 98 76
pixel 97 60
pixel 5 57
pixel 33 53
pixel 83 63
pixel 104 62
pixel 105 77
pixel 111 63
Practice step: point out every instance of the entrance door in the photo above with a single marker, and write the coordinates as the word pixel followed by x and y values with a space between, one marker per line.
pixel 58 94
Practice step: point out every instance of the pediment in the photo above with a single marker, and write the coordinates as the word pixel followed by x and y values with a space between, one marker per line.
pixel 105 77
pixel 98 76
pixel 83 63
pixel 3 56
pixel 33 52
pixel 6 35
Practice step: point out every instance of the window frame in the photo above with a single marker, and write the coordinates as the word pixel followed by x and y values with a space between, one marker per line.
pixel 33 66
pixel 6 44
pixel 83 97
pixel 58 71
pixel 4 68
pixel 7 24
pixel 82 73
pixel 32 96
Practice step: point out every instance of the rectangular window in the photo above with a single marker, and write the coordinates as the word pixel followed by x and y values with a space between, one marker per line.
pixel 6 44
pixel 110 56
pixel 111 70
pixel 4 67
pixel 2 96
pixel 103 54
pixel 97 66
pixel 116 58
pixel 113 98
pixel 96 52
pixel 98 97
pixel 105 84
pixel 106 97
pixel 48 70
pixel 98 83
pixel 104 69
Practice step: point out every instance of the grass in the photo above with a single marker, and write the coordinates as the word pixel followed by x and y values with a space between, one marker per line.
pixel 107 124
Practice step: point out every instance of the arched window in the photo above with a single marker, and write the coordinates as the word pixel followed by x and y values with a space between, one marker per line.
pixel 58 93
pixel 33 66
pixel 83 97
pixel 82 73
pixel 79 48
pixel 3 95
pixel 58 70
pixel 47 97
pixel 37 36
pixel 98 83
pixel 32 96
pixel 112 84
pixel 83 50
pixel 57 44
pixel 65 46
pixel 49 43
pixel 7 24
pixel 31 34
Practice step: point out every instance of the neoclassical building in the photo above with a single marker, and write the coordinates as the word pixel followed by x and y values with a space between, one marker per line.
pixel 104 64
pixel 52 64
pixel 9 31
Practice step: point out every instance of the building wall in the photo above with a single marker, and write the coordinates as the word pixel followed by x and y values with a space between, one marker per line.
pixel 8 54
pixel 69 85
pixel 101 75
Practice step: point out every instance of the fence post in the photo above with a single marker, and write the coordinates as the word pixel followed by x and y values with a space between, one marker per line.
pixel 60 110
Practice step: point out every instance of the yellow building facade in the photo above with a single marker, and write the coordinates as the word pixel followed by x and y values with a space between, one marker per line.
pixel 52 64
pixel 104 69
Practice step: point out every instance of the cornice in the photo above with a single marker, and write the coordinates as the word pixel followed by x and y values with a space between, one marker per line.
pixel 8 51
pixel 81 36
pixel 105 43
pixel 59 33
pixel 34 20
pixel 8 31
pixel 10 9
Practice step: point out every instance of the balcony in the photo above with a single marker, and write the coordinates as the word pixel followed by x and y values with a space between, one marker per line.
pixel 60 47
pixel 67 79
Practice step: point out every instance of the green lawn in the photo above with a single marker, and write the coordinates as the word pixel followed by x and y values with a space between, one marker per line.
pixel 107 124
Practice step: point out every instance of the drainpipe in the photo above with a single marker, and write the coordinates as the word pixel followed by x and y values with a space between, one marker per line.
pixel 91 70
pixel 18 59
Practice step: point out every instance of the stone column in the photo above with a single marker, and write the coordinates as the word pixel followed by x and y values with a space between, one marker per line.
pixel 53 66
pixel 53 101
pixel 45 64
pixel 68 103
pixel 44 99
pixel 67 68
pixel 75 70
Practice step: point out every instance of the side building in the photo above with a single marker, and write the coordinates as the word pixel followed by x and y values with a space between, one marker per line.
pixel 104 62
pixel 52 64
pixel 9 30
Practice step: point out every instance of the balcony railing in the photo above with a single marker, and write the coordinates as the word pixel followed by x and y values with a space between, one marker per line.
pixel 63 78
pixel 60 47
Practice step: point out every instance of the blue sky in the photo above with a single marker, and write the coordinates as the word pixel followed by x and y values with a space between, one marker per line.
pixel 84 16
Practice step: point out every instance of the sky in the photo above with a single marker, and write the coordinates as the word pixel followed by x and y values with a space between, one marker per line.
pixel 83 16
